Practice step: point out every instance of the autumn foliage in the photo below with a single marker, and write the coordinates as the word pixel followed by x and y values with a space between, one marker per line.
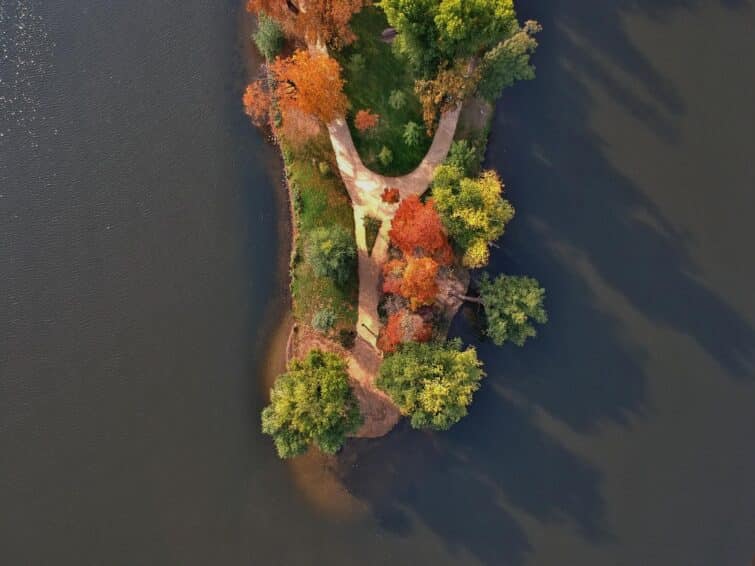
pixel 310 83
pixel 390 195
pixel 312 20
pixel 419 284
pixel 365 120
pixel 403 326
pixel 417 230
pixel 256 103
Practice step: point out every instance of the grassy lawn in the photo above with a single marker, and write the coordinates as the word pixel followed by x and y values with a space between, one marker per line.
pixel 320 199
pixel 370 87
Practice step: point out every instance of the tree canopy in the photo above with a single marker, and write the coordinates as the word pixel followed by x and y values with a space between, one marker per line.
pixel 311 403
pixel 269 36
pixel 432 383
pixel 332 251
pixel 311 83
pixel 511 304
pixel 433 32
pixel 312 20
pixel 509 61
pixel 473 210
pixel 416 229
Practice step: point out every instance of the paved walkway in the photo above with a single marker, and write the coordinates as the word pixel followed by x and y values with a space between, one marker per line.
pixel 365 188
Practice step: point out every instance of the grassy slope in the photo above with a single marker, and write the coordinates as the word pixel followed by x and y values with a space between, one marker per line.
pixel 370 88
pixel 319 200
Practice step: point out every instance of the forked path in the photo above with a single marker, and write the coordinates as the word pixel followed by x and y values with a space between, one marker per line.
pixel 365 188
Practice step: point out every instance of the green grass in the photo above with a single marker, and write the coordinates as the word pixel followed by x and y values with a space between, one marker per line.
pixel 319 200
pixel 371 87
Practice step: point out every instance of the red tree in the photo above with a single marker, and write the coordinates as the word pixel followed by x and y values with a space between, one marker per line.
pixel 418 230
pixel 256 103
pixel 393 273
pixel 365 120
pixel 390 195
pixel 403 326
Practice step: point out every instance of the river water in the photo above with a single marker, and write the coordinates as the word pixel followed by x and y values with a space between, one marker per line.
pixel 140 231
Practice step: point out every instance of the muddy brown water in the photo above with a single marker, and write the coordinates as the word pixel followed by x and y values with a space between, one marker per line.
pixel 140 236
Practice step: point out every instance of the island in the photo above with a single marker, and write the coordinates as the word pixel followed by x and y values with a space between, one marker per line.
pixel 382 111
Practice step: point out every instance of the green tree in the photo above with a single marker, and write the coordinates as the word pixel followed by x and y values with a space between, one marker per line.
pixel 312 403
pixel 432 383
pixel 511 303
pixel 385 156
pixel 331 252
pixel 509 61
pixel 412 134
pixel 269 36
pixel 324 319
pixel 473 211
pixel 397 99
pixel 356 64
pixel 432 32
pixel 463 155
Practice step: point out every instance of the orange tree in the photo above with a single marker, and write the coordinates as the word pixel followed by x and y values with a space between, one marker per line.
pixel 312 20
pixel 417 230
pixel 310 83
pixel 256 103
pixel 419 284
pixel 404 326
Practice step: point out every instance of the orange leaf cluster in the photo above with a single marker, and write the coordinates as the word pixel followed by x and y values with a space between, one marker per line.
pixel 390 195
pixel 418 230
pixel 393 273
pixel 311 83
pixel 256 103
pixel 419 284
pixel 312 20
pixel 366 120
pixel 403 326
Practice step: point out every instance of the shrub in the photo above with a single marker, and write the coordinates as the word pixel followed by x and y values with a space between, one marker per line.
pixel 324 320
pixel 356 63
pixel 269 37
pixel 412 134
pixel 464 156
pixel 385 156
pixel 397 99
pixel 324 168
pixel 390 195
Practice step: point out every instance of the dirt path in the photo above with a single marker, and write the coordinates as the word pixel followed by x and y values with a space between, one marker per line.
pixel 365 187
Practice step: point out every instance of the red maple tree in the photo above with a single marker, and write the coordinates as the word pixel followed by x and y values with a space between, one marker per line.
pixel 390 195
pixel 366 120
pixel 417 230
pixel 403 326
pixel 256 102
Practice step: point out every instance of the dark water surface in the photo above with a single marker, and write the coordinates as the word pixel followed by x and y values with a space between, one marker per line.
pixel 138 241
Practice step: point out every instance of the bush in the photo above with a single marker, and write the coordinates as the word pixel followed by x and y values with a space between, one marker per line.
pixel 397 99
pixel 324 168
pixel 269 37
pixel 385 156
pixel 324 320
pixel 412 134
pixel 463 155
pixel 432 383
pixel 331 252
pixel 346 338
pixel 312 403
pixel 356 63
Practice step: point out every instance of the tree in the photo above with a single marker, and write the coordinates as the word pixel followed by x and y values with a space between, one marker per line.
pixel 433 33
pixel 366 120
pixel 417 230
pixel 385 157
pixel 412 134
pixel 310 83
pixel 269 36
pixel 331 252
pixel 465 156
pixel 432 383
pixel 313 20
pixel 473 211
pixel 393 274
pixel 397 99
pixel 403 326
pixel 312 403
pixel 446 91
pixel 390 195
pixel 256 103
pixel 509 61
pixel 510 304
pixel 418 283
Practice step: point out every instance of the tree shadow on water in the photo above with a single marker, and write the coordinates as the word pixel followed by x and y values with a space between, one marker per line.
pixel 482 484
